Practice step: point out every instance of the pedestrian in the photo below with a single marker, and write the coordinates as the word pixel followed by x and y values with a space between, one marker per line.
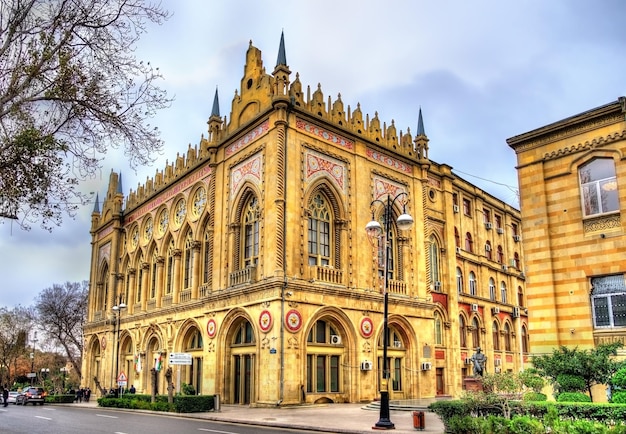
pixel 132 388
pixel 87 394
pixel 5 395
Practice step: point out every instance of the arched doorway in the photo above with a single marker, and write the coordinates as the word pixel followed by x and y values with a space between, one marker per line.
pixel 242 348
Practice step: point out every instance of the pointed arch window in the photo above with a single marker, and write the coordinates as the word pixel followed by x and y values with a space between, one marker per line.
pixel 438 329
pixel 188 260
pixel 140 271
pixel 433 257
pixel 169 278
pixel 459 280
pixel 598 187
pixel 475 333
pixel 251 232
pixel 492 289
pixel 524 339
pixel 462 332
pixel 469 243
pixel 323 359
pixel 503 296
pixel 103 296
pixel 320 231
pixel 206 259
pixel 495 333
pixel 153 273
pixel 507 337
pixel 393 248
pixel 472 283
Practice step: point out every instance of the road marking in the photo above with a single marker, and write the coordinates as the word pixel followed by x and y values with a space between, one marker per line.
pixel 106 415
pixel 45 418
pixel 214 430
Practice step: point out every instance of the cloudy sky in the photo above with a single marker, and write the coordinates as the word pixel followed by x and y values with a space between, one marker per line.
pixel 482 71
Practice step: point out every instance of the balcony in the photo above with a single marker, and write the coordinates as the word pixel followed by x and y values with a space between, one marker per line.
pixel 327 274
pixel 185 295
pixel 205 290
pixel 245 275
pixel 395 286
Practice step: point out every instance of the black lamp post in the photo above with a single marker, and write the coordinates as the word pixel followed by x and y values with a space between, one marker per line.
pixel 32 360
pixel 375 230
pixel 117 312
pixel 63 374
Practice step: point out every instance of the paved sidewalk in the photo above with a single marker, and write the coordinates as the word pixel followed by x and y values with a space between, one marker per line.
pixel 333 418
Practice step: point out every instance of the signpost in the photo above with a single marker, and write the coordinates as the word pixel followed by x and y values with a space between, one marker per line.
pixel 179 359
pixel 122 382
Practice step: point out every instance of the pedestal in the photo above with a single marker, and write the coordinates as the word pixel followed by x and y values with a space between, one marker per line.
pixel 473 384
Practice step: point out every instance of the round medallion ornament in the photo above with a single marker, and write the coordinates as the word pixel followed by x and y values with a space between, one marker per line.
pixel 367 327
pixel 179 212
pixel 103 342
pixel 199 200
pixel 293 320
pixel 211 328
pixel 163 221
pixel 147 232
pixel 265 321
pixel 134 237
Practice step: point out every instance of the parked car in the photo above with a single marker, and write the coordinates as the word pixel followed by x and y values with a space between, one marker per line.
pixel 12 395
pixel 31 394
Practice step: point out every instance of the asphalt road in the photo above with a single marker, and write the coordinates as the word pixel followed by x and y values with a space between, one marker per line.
pixel 49 419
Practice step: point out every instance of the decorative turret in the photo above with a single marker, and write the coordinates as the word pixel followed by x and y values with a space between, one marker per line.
pixel 281 73
pixel 215 122
pixel 421 140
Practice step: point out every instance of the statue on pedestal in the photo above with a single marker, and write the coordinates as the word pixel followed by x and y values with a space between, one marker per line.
pixel 479 360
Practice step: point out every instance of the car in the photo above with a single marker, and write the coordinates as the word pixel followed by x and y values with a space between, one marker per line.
pixel 31 394
pixel 12 396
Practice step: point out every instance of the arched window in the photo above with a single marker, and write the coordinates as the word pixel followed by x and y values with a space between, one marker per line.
pixel 500 255
pixel 503 297
pixel 392 246
pixel 244 335
pixel 457 238
pixel 395 358
pixel 507 337
pixel 251 232
pixel 459 280
pixel 242 359
pixel 434 259
pixel 520 296
pixel 516 263
pixel 492 289
pixel 462 332
pixel 154 259
pixel 524 339
pixel 438 329
pixel 140 272
pixel 488 249
pixel 598 187
pixel 472 283
pixel 206 258
pixel 469 243
pixel 169 276
pixel 188 260
pixel 495 333
pixel 320 231
pixel 103 295
pixel 324 356
pixel 475 333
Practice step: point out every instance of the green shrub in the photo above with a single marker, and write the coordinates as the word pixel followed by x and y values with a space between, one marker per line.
pixel 619 379
pixel 525 425
pixel 582 427
pixel 464 425
pixel 570 383
pixel 619 397
pixel 573 397
pixel 188 389
pixel 535 396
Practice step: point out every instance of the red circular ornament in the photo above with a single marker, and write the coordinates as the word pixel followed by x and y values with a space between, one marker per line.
pixel 103 342
pixel 211 328
pixel 367 327
pixel 265 321
pixel 293 320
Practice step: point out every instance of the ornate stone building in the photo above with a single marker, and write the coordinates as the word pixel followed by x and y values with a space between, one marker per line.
pixel 573 192
pixel 249 255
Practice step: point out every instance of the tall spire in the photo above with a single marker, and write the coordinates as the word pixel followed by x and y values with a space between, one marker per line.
pixel 96 206
pixel 282 57
pixel 215 111
pixel 420 124
pixel 119 185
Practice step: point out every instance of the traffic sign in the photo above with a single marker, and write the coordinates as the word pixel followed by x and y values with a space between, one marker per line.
pixel 180 358
pixel 122 377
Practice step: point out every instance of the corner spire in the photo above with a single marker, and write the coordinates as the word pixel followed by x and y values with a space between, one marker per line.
pixel 119 185
pixel 420 124
pixel 282 57
pixel 215 111
pixel 96 206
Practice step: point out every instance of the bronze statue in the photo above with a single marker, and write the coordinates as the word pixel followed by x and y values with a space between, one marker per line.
pixel 479 360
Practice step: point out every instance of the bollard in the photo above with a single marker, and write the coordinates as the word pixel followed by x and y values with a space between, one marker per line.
pixel 216 403
pixel 419 420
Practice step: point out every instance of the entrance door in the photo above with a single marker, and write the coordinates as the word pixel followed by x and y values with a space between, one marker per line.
pixel 242 381
pixel 441 385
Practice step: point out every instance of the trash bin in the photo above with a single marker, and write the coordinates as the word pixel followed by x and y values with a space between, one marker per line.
pixel 216 403
pixel 419 421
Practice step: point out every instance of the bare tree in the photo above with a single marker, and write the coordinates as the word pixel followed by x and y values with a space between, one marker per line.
pixel 14 328
pixel 63 309
pixel 70 88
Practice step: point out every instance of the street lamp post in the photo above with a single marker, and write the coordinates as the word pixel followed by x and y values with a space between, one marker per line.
pixel 117 312
pixel 32 359
pixel 44 374
pixel 63 374
pixel 376 231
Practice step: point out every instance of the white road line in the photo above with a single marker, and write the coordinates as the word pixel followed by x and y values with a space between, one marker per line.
pixel 45 418
pixel 214 430
pixel 106 415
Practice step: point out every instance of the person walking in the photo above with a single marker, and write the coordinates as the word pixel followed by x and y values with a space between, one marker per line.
pixel 5 395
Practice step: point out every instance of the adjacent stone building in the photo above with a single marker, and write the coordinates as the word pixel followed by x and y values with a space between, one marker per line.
pixel 573 192
pixel 247 260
